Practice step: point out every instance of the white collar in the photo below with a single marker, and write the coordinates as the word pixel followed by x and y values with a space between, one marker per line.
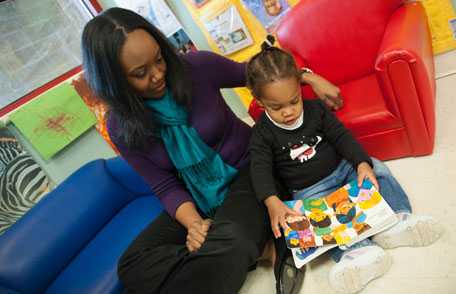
pixel 296 124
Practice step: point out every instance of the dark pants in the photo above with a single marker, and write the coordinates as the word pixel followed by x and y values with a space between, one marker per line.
pixel 159 262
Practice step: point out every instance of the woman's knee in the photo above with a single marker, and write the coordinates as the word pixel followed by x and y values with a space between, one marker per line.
pixel 233 239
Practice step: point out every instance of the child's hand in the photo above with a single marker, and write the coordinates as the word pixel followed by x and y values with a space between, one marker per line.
pixel 278 212
pixel 365 171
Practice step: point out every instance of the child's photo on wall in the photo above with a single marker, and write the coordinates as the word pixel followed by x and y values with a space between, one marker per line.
pixel 268 12
pixel 182 41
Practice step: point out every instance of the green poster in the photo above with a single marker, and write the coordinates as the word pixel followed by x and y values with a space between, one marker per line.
pixel 53 120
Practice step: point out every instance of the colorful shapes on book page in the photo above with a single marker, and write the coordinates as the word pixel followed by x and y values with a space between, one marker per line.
pixel 299 235
pixel 335 219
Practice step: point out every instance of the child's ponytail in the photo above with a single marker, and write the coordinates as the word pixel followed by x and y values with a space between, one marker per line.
pixel 268 43
pixel 269 65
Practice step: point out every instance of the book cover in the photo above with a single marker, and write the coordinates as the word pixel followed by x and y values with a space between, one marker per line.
pixel 302 256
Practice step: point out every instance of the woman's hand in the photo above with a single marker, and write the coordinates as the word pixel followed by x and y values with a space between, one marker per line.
pixel 278 212
pixel 196 226
pixel 326 91
pixel 196 234
pixel 365 171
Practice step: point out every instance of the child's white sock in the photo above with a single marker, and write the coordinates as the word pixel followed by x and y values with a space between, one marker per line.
pixel 411 230
pixel 358 267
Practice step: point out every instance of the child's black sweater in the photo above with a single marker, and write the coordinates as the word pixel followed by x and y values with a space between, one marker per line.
pixel 301 157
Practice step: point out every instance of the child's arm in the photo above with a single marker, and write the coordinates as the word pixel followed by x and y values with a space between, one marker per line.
pixel 261 163
pixel 261 173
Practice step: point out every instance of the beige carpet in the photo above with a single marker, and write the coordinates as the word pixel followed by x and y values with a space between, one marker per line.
pixel 431 185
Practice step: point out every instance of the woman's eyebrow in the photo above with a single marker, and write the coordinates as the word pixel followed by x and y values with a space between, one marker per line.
pixel 157 53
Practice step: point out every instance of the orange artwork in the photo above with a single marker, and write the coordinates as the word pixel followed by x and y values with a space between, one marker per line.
pixel 95 105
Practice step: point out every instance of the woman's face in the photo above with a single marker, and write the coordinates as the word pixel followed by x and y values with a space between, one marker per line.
pixel 143 64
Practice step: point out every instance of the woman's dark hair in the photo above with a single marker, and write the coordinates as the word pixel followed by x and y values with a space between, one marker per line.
pixel 102 41
pixel 269 65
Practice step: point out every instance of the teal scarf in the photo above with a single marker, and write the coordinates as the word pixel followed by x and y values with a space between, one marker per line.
pixel 203 171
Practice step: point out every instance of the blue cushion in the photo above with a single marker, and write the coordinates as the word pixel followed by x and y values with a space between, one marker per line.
pixel 71 240
pixel 95 269
pixel 125 175
pixel 42 243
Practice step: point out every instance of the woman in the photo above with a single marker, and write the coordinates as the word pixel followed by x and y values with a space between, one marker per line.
pixel 170 122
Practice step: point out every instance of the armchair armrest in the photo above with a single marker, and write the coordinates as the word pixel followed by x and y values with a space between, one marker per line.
pixel 405 71
pixel 126 176
pixel 35 249
pixel 406 36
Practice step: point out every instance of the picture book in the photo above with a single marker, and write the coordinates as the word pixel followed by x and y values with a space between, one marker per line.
pixel 302 256
pixel 342 218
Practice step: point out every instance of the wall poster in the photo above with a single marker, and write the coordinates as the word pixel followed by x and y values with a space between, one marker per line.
pixel 228 31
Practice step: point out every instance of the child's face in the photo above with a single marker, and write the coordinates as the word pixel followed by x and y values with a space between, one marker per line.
pixel 272 7
pixel 282 100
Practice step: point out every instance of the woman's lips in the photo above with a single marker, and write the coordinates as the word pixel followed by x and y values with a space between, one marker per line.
pixel 159 87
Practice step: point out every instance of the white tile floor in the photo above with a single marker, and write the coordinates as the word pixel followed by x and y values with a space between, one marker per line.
pixel 428 182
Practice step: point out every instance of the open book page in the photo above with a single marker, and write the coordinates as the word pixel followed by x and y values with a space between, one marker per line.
pixel 345 216
pixel 379 215
pixel 386 224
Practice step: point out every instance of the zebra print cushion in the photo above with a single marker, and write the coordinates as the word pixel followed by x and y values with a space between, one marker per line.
pixel 22 181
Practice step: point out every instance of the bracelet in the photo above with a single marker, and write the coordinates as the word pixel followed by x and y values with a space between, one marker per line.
pixel 306 70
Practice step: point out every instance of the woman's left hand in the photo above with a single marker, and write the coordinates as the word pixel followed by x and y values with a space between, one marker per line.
pixel 325 90
pixel 196 234
pixel 365 171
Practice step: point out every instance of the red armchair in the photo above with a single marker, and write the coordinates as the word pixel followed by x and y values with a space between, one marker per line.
pixel 379 53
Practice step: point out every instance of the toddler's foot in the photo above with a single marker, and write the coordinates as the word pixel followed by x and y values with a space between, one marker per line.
pixel 290 278
pixel 358 267
pixel 411 230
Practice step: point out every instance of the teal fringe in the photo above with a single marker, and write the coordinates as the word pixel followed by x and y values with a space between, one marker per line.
pixel 200 178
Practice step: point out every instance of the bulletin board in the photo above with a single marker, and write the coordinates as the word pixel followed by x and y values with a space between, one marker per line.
pixel 442 23
pixel 255 28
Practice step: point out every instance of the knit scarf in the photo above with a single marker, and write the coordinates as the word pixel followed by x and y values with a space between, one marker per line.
pixel 203 171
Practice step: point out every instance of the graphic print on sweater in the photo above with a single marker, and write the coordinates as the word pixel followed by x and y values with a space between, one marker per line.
pixel 305 149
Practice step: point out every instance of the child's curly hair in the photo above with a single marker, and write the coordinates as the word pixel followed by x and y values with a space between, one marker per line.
pixel 269 65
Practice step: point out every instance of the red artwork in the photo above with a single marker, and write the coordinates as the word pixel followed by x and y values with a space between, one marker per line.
pixel 95 105
pixel 55 124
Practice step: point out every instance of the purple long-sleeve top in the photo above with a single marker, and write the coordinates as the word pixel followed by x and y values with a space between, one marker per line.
pixel 214 121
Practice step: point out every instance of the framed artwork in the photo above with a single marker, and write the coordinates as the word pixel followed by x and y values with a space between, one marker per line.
pixel 160 15
pixel 54 120
pixel 198 3
pixel 156 12
pixel 96 106
pixel 268 12
pixel 22 181
pixel 182 41
pixel 442 23
pixel 228 31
